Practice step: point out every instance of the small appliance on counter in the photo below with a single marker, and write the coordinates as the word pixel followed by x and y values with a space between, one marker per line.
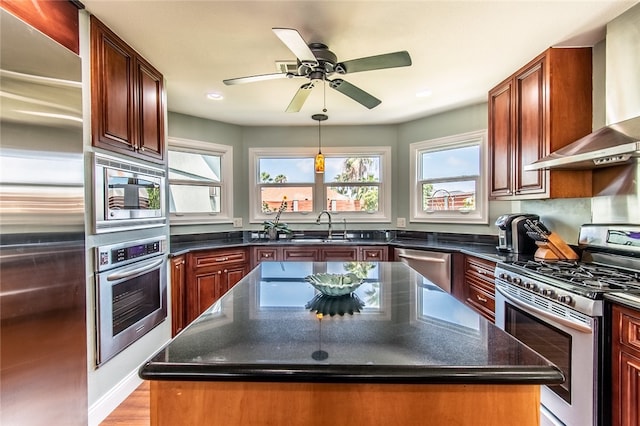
pixel 512 234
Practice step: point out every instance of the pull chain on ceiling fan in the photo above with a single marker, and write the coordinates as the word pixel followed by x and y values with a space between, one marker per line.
pixel 316 62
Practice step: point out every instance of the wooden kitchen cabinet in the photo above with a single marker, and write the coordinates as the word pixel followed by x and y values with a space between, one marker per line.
pixel 210 274
pixel 178 294
pixel 324 253
pixel 127 98
pixel 625 366
pixel 479 286
pixel 542 107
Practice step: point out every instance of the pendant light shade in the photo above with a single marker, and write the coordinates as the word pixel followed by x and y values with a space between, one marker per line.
pixel 319 160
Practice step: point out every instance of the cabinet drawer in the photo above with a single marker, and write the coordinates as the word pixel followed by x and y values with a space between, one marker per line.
pixel 630 330
pixel 481 282
pixel 373 253
pixel 480 268
pixel 206 259
pixel 300 253
pixel 265 253
pixel 481 301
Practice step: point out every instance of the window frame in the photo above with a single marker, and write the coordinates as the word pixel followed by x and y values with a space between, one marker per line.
pixel 416 149
pixel 319 187
pixel 226 181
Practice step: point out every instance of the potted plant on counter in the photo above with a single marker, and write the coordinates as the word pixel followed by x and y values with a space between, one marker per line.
pixel 274 227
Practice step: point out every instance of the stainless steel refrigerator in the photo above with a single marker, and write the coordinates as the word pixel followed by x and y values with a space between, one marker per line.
pixel 43 356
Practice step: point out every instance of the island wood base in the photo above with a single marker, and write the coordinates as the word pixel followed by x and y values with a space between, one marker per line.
pixel 315 404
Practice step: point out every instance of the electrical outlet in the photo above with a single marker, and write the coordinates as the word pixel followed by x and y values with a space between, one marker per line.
pixel 401 222
pixel 237 222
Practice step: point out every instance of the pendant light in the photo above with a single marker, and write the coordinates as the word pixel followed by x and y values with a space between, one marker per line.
pixel 319 160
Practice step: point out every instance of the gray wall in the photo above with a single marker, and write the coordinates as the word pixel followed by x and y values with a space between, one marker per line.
pixel 399 137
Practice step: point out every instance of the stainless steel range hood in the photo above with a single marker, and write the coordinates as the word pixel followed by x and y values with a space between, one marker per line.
pixel 611 145
pixel 617 143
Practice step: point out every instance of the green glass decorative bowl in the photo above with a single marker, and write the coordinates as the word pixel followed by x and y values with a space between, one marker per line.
pixel 334 284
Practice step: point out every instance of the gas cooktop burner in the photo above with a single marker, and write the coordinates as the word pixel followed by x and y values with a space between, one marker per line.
pixel 593 277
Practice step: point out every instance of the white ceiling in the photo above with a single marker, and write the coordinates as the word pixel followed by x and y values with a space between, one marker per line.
pixel 459 49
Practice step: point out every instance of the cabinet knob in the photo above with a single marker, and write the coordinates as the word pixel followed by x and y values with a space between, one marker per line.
pixel 219 272
pixel 266 255
pixel 142 149
pixel 373 255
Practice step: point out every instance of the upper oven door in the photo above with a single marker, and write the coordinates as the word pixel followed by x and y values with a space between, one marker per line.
pixel 571 346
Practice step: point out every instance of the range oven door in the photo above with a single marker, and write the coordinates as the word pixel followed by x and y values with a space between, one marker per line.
pixel 570 343
pixel 131 300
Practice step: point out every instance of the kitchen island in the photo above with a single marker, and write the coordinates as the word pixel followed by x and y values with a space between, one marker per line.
pixel 398 350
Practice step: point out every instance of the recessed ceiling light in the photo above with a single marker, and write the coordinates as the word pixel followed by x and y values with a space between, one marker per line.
pixel 215 96
pixel 424 93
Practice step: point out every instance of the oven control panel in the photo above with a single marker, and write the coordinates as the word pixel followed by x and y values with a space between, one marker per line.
pixel 120 254
pixel 539 290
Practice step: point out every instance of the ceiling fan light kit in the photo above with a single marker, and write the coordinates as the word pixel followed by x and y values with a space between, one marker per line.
pixel 316 62
pixel 319 160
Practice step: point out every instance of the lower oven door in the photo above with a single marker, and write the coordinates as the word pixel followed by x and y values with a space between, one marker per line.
pixel 131 300
pixel 569 340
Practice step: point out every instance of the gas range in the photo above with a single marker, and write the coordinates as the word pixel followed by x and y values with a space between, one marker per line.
pixel 610 263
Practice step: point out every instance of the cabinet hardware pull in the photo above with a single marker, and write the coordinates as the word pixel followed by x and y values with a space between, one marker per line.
pixel 481 272
pixel 480 298
pixel 219 272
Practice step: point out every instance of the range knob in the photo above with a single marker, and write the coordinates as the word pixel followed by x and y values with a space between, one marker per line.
pixel 504 275
pixel 548 292
pixel 530 286
pixel 517 281
pixel 566 299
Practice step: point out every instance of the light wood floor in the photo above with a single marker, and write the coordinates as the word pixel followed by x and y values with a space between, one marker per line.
pixel 134 411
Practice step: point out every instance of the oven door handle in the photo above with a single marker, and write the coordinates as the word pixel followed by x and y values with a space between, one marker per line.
pixel 532 309
pixel 135 271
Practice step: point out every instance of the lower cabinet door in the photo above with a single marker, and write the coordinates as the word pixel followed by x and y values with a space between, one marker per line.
pixel 207 288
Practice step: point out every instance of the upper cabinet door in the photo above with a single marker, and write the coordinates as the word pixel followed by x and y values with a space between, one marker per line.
pixel 530 119
pixel 127 98
pixel 501 135
pixel 151 114
pixel 112 92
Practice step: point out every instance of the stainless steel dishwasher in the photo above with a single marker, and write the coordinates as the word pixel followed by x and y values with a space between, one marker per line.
pixel 433 265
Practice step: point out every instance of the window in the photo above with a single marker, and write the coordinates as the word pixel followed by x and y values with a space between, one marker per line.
pixel 449 183
pixel 356 183
pixel 200 182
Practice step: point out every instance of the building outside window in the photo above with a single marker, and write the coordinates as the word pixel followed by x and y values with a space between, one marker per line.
pixel 449 179
pixel 200 182
pixel 355 185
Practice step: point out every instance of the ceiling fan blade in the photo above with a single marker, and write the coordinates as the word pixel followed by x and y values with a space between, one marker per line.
pixel 294 41
pixel 355 93
pixel 252 78
pixel 300 97
pixel 387 60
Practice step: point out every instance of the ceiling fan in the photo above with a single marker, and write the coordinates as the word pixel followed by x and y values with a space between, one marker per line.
pixel 316 63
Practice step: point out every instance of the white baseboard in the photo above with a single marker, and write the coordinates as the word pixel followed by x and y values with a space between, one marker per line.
pixel 109 401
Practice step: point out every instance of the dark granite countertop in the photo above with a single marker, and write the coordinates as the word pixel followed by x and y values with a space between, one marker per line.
pixel 477 245
pixel 404 330
pixel 629 300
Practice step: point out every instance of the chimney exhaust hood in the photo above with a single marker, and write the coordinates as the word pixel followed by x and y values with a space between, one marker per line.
pixel 609 146
pixel 617 143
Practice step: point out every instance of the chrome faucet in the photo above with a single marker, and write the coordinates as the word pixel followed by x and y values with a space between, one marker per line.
pixel 329 216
